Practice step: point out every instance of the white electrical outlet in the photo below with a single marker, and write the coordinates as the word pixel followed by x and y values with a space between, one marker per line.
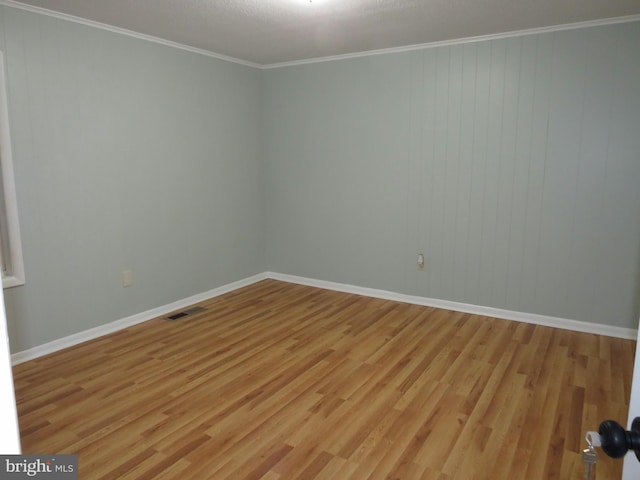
pixel 127 278
pixel 420 261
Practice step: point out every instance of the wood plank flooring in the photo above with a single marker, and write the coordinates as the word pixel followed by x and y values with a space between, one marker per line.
pixel 282 381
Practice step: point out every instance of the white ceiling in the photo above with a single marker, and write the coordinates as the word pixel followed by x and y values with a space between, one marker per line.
pixel 267 32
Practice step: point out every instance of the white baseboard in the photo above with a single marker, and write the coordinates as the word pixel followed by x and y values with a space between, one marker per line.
pixel 111 327
pixel 556 322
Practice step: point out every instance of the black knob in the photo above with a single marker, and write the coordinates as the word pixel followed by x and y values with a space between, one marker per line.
pixel 616 441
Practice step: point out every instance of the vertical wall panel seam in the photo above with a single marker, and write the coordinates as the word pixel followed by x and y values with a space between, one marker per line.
pixel 489 300
pixel 472 161
pixel 421 196
pixel 495 281
pixel 483 210
pixel 529 166
pixel 607 158
pixel 446 171
pixel 459 175
pixel 513 179
pixel 414 179
pixel 432 230
pixel 427 165
pixel 549 84
pixel 574 213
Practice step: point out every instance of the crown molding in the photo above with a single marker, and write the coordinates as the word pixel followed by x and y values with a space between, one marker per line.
pixel 459 41
pixel 124 31
pixel 331 58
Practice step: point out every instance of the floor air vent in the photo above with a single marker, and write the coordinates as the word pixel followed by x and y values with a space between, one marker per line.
pixel 186 313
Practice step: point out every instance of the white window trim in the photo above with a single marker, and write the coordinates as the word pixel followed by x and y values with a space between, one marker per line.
pixel 16 276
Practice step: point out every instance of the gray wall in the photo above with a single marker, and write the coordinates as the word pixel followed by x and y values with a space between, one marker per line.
pixel 128 155
pixel 513 164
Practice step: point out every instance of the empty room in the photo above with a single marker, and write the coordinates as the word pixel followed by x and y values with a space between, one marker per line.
pixel 326 239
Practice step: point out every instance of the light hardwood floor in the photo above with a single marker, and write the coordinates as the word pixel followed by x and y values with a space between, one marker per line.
pixel 282 381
